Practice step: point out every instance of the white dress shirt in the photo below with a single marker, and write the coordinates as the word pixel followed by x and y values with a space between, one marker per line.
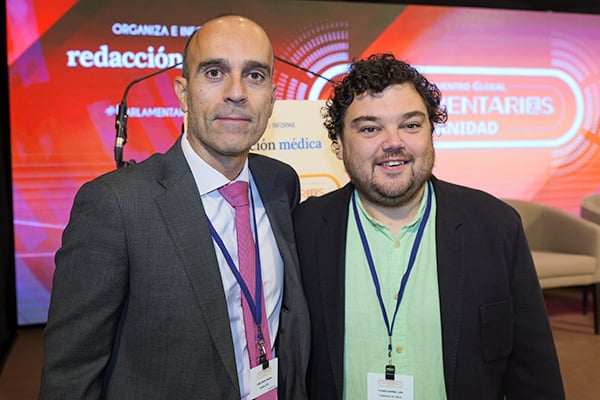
pixel 222 216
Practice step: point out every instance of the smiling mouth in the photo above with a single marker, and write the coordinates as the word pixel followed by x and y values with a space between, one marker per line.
pixel 395 163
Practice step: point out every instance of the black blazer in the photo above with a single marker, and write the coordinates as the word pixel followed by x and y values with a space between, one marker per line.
pixel 496 336
pixel 138 309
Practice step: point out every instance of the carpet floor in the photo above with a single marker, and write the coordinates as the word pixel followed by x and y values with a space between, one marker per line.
pixel 578 351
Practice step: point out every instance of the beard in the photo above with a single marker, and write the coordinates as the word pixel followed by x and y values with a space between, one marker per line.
pixel 397 192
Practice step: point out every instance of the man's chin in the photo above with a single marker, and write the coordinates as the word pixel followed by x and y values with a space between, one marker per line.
pixel 236 144
pixel 393 196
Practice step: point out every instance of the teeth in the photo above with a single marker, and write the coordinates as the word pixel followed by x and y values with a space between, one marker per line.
pixel 393 163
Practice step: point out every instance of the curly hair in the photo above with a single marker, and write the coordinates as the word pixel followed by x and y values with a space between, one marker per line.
pixel 375 74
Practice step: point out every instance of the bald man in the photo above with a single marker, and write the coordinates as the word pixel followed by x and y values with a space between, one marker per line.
pixel 146 301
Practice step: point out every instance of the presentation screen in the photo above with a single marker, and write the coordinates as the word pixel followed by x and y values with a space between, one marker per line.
pixel 521 89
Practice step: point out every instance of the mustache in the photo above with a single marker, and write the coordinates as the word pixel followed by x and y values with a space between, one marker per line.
pixel 392 154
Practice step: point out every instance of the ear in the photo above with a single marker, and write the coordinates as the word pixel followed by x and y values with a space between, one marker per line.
pixel 274 93
pixel 273 97
pixel 340 147
pixel 180 86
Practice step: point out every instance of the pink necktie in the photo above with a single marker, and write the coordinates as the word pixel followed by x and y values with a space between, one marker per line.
pixel 236 194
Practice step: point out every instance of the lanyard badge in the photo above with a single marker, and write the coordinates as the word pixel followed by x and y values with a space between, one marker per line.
pixel 390 369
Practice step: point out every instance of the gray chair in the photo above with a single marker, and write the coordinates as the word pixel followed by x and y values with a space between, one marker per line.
pixel 589 209
pixel 565 248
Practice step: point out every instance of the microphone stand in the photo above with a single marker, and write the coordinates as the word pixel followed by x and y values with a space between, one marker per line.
pixel 121 118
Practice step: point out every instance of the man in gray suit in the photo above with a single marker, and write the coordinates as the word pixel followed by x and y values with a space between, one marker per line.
pixel 144 303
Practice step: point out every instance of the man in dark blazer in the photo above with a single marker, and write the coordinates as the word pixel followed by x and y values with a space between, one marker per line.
pixel 142 306
pixel 480 329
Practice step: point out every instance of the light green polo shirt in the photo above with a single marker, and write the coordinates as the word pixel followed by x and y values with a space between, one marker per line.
pixel 416 336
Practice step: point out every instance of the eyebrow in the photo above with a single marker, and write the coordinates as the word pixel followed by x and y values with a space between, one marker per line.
pixel 372 118
pixel 250 65
pixel 415 113
pixel 224 63
pixel 363 118
pixel 215 62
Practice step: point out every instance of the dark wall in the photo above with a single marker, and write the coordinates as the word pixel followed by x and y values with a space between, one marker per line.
pixel 572 6
pixel 8 302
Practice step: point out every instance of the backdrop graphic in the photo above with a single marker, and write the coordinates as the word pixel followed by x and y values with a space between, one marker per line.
pixel 522 91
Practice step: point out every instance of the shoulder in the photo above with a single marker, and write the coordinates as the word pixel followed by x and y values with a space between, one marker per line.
pixel 158 169
pixel 133 184
pixel 326 204
pixel 129 177
pixel 261 163
pixel 472 204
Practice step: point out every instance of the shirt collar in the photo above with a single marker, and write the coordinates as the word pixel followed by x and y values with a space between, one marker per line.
pixel 378 224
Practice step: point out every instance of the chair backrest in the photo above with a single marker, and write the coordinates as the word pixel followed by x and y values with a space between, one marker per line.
pixel 551 229
pixel 533 216
pixel 590 207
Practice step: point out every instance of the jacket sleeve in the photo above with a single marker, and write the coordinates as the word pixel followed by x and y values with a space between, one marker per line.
pixel 89 290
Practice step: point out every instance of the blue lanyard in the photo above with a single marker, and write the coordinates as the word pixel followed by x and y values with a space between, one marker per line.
pixel 411 262
pixel 255 307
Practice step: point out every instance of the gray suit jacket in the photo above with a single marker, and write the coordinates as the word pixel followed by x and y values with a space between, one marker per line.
pixel 496 337
pixel 137 308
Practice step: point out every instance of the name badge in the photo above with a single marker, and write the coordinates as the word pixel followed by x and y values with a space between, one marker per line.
pixel 380 388
pixel 263 380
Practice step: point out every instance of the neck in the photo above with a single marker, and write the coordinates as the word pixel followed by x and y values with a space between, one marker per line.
pixel 394 218
pixel 229 165
pixel 231 168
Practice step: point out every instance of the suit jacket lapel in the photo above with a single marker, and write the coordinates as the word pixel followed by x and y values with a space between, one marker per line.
pixel 450 264
pixel 184 216
pixel 331 267
pixel 277 208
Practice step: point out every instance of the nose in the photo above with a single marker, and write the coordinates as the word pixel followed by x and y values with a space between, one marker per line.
pixel 236 90
pixel 392 139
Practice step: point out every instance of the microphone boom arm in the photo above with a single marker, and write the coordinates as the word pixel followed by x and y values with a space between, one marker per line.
pixel 303 69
